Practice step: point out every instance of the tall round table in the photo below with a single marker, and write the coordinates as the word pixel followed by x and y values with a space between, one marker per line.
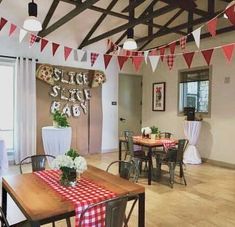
pixel 3 157
pixel 192 132
pixel 56 141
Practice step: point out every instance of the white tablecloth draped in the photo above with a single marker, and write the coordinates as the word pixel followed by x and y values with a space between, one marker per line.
pixel 192 131
pixel 3 157
pixel 56 141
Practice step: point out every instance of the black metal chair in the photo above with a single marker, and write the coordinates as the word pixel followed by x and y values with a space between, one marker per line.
pixel 160 151
pixel 172 158
pixel 127 133
pixel 4 222
pixel 115 211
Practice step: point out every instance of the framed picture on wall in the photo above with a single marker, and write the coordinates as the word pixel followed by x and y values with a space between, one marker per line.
pixel 158 99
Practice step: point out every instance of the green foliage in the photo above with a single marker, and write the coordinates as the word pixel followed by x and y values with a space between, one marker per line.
pixel 60 119
pixel 154 130
pixel 72 153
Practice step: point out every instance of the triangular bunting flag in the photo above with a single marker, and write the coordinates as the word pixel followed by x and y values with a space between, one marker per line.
pixel 12 29
pixel 162 52
pixel 137 61
pixel 170 60
pixel 3 21
pixel 188 57
pixel 121 61
pixel 107 59
pixel 94 56
pixel 196 35
pixel 207 54
pixel 153 52
pixel 231 14
pixel 84 57
pixel 32 40
pixel 44 42
pixel 146 53
pixel 212 25
pixel 154 61
pixel 67 52
pixel 75 55
pixel 183 41
pixel 54 48
pixel 23 33
pixel 228 51
pixel 172 47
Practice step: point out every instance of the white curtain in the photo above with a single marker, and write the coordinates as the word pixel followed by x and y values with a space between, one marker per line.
pixel 25 109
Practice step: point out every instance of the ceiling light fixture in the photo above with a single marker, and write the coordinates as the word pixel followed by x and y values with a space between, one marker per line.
pixel 130 43
pixel 31 23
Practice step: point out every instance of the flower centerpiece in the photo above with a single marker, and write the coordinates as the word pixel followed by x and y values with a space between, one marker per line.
pixel 59 119
pixel 154 132
pixel 71 165
pixel 146 131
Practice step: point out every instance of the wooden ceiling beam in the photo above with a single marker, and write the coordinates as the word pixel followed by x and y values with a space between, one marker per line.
pixel 132 5
pixel 73 13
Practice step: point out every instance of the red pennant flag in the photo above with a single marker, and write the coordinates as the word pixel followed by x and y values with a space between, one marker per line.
pixel 188 57
pixel 207 54
pixel 67 51
pixel 137 61
pixel 94 56
pixel 54 48
pixel 121 61
pixel 228 51
pixel 170 60
pixel 32 40
pixel 162 52
pixel 3 21
pixel 183 41
pixel 128 53
pixel 12 29
pixel 172 47
pixel 44 42
pixel 107 59
pixel 153 52
pixel 231 14
pixel 211 26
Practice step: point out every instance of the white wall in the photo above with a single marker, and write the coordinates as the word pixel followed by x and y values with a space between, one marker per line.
pixel 217 134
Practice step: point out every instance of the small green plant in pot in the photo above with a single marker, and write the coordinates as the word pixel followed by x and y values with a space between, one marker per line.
pixel 154 132
pixel 59 119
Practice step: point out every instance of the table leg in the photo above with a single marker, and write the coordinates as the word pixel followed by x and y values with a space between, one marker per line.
pixel 141 215
pixel 158 163
pixel 150 165
pixel 4 201
pixel 34 224
pixel 120 155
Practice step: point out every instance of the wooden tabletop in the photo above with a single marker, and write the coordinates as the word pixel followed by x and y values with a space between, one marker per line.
pixel 38 201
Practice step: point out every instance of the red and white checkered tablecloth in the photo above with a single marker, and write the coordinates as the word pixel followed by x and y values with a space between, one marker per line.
pixel 167 144
pixel 84 194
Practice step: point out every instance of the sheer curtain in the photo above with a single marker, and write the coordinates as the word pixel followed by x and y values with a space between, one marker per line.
pixel 25 109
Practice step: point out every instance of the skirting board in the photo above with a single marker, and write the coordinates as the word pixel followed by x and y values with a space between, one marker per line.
pixel 219 163
pixel 109 150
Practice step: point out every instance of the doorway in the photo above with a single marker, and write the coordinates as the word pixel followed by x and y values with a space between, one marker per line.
pixel 130 103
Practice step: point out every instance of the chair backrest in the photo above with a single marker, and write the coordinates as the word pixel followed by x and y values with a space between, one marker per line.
pixel 130 145
pixel 3 220
pixel 182 144
pixel 165 135
pixel 38 162
pixel 127 133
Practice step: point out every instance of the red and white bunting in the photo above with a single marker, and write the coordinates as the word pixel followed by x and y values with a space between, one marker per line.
pixel 55 47
pixel 23 33
pixel 162 52
pixel 212 26
pixel 44 42
pixel 121 61
pixel 3 22
pixel 12 29
pixel 94 57
pixel 32 40
pixel 154 61
pixel 84 56
pixel 207 54
pixel 183 41
pixel 188 57
pixel 75 55
pixel 231 14
pixel 146 53
pixel 196 35
pixel 172 47
pixel 228 51
pixel 170 60
pixel 67 52
pixel 107 59
pixel 137 61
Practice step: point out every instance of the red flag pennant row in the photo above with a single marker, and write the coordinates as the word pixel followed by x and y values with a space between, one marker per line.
pixel 172 47
pixel 67 52
pixel 162 52
pixel 32 40
pixel 170 60
pixel 207 54
pixel 212 25
pixel 12 29
pixel 231 14
pixel 107 59
pixel 55 46
pixel 94 56
pixel 137 61
pixel 121 61
pixel 183 41
pixel 44 42
pixel 3 22
pixel 188 57
pixel 228 51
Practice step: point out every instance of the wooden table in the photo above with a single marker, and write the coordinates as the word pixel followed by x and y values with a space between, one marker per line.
pixel 144 142
pixel 41 204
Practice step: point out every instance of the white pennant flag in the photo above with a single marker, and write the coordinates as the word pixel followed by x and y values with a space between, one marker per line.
pixel 146 53
pixel 23 33
pixel 196 35
pixel 75 55
pixel 154 61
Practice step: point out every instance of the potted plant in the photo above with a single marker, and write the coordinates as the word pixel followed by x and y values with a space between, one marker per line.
pixel 154 132
pixel 59 119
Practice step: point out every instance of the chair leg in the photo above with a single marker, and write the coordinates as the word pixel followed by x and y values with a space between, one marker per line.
pixel 182 174
pixel 172 173
pixel 53 224
pixel 68 222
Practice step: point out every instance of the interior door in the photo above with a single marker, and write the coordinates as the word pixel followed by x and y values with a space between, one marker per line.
pixel 130 103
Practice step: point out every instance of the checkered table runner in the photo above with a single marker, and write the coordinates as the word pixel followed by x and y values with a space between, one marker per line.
pixel 167 144
pixel 82 195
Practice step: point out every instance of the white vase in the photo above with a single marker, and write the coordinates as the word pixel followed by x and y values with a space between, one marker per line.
pixel 153 136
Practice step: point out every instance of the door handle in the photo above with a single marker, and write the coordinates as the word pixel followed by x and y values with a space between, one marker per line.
pixel 122 119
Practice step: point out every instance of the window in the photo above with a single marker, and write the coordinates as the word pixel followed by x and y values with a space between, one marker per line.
pixel 7 104
pixel 194 90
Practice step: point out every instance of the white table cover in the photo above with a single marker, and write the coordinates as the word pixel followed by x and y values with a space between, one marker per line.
pixel 56 141
pixel 192 131
pixel 3 157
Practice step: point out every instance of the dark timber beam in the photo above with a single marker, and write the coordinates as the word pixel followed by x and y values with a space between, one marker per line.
pixel 211 6
pixel 96 25
pixel 132 5
pixel 73 13
pixel 190 21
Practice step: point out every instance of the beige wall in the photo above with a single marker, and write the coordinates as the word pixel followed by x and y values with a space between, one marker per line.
pixel 217 132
